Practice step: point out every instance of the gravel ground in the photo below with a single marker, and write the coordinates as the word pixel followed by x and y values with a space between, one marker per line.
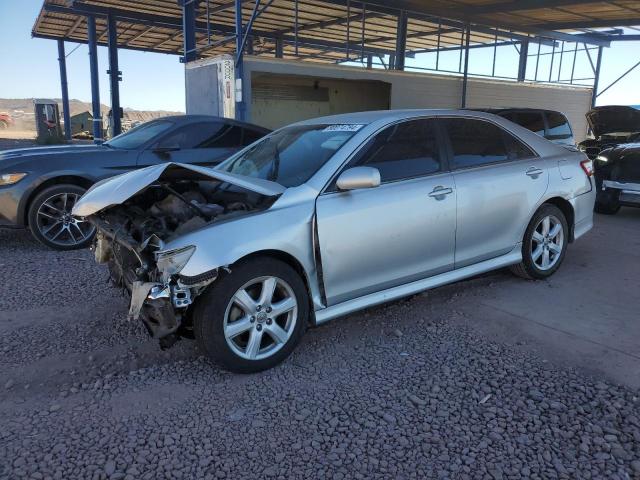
pixel 407 390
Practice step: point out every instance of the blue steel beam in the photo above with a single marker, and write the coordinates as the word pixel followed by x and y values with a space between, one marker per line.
pixel 522 63
pixel 189 29
pixel 239 93
pixel 463 103
pixel 95 85
pixel 114 76
pixel 62 60
pixel 596 79
pixel 401 41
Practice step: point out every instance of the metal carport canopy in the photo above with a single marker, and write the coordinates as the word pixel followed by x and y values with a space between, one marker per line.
pixel 327 30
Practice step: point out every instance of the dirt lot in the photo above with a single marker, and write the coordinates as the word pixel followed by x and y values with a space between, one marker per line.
pixel 489 378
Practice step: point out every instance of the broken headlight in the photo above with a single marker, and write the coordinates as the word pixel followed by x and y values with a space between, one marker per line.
pixel 171 262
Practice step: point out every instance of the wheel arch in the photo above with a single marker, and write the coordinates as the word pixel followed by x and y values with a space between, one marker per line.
pixel 50 182
pixel 567 209
pixel 294 263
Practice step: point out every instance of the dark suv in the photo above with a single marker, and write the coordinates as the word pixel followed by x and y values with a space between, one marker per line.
pixel 549 124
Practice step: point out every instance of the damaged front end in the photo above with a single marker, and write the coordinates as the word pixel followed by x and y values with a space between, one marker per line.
pixel 162 204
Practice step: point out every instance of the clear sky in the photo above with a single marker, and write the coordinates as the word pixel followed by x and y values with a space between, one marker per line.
pixel 29 67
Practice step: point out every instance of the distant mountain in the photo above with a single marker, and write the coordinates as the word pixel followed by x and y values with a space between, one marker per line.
pixel 21 109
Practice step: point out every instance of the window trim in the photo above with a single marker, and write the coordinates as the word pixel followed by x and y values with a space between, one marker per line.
pixel 444 157
pixel 547 129
pixel 504 131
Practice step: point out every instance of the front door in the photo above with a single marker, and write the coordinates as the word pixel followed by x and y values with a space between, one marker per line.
pixel 403 230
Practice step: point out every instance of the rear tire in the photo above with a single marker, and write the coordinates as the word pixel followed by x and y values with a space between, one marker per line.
pixel 243 327
pixel 544 244
pixel 607 201
pixel 607 208
pixel 51 222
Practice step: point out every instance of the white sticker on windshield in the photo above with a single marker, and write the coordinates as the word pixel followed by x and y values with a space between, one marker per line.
pixel 349 127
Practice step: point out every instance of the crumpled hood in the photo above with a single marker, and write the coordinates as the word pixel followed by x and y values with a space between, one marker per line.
pixel 612 119
pixel 118 189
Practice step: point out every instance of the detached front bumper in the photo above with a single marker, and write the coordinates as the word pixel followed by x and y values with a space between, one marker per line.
pixel 628 193
pixel 161 299
pixel 160 306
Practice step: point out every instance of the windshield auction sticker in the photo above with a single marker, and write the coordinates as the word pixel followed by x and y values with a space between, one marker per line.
pixel 349 127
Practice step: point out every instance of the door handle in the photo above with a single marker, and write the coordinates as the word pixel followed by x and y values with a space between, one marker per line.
pixel 534 172
pixel 440 191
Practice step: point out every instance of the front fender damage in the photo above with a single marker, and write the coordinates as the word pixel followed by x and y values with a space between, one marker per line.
pixel 132 237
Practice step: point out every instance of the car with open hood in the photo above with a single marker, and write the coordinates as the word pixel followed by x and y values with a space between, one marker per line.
pixel 332 215
pixel 39 186
pixel 615 150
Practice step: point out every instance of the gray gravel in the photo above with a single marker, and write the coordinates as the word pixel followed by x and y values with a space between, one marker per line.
pixel 401 391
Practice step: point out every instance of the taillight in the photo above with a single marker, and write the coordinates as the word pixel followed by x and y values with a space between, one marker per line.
pixel 587 166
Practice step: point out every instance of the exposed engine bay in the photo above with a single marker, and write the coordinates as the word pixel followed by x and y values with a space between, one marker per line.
pixel 131 239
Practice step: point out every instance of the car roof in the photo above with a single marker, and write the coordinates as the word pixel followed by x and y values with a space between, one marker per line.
pixel 186 119
pixel 498 110
pixel 390 115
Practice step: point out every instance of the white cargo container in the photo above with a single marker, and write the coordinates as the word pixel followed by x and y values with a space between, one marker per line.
pixel 278 92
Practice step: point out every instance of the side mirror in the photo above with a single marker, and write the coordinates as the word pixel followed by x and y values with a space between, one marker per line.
pixel 162 149
pixel 358 177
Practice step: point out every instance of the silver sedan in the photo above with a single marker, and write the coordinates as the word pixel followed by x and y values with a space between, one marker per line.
pixel 332 215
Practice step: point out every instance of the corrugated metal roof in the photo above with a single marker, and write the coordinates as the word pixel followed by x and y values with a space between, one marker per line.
pixel 328 29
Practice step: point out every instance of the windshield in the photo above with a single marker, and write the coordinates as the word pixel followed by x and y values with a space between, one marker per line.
pixel 138 136
pixel 291 155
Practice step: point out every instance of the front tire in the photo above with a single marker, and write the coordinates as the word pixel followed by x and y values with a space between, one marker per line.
pixel 51 222
pixel 544 244
pixel 252 318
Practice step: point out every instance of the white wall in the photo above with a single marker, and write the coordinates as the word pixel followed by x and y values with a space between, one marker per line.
pixel 420 90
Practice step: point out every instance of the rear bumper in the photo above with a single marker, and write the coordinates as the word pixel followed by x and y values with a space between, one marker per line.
pixel 628 193
pixel 583 213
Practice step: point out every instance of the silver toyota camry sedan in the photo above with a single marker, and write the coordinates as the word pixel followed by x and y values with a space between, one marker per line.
pixel 328 216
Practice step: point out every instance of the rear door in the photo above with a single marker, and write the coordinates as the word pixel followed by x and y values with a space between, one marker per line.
pixel 498 180
pixel 200 143
pixel 404 230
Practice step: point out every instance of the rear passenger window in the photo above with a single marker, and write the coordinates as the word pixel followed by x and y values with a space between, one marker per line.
pixel 228 136
pixel 516 149
pixel 532 121
pixel 404 150
pixel 559 128
pixel 475 142
pixel 251 136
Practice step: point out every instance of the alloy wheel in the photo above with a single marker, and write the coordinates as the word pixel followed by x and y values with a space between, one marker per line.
pixel 58 226
pixel 547 242
pixel 260 318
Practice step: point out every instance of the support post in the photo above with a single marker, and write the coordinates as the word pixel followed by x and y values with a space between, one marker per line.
pixel 369 61
pixel 95 85
pixel 279 47
pixel 62 60
pixel 463 103
pixel 401 41
pixel 189 29
pixel 596 78
pixel 114 76
pixel 239 90
pixel 522 64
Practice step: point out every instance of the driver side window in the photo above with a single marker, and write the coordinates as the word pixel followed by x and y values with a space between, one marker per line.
pixel 402 151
